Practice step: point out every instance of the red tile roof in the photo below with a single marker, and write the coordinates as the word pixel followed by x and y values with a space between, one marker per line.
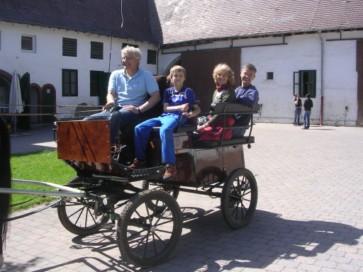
pixel 190 20
pixel 171 22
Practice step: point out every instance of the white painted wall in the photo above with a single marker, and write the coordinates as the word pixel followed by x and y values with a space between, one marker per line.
pixel 276 96
pixel 46 63
pixel 340 83
pixel 300 52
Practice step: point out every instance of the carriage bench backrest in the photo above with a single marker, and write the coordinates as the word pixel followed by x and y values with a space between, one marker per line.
pixel 83 111
pixel 226 109
pixel 234 108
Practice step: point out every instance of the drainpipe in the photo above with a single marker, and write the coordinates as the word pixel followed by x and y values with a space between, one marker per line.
pixel 110 56
pixel 321 78
pixel 157 60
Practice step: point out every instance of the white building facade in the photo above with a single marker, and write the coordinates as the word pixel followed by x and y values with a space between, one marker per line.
pixel 332 57
pixel 45 61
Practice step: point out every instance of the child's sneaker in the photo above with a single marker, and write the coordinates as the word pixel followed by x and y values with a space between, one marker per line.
pixel 137 164
pixel 170 171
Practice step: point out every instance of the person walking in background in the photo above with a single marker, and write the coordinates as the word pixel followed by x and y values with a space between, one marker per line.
pixel 298 104
pixel 308 104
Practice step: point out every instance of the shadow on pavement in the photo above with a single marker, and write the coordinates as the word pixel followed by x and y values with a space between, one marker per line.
pixel 207 242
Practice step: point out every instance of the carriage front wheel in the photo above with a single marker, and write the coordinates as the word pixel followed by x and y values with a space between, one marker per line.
pixel 239 198
pixel 147 236
pixel 79 215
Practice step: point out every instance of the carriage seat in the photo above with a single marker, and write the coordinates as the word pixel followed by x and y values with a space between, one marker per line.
pixel 226 109
pixel 189 126
pixel 182 134
pixel 81 111
pixel 213 144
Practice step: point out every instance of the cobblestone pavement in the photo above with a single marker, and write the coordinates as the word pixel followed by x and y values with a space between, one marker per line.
pixel 309 216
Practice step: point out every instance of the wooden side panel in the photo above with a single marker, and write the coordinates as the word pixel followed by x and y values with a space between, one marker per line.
pixel 185 166
pixel 87 141
pixel 233 158
pixel 227 157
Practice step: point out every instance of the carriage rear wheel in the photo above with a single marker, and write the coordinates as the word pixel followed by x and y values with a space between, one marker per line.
pixel 147 236
pixel 79 215
pixel 239 198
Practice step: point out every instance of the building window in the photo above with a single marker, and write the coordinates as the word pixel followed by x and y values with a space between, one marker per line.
pixel 270 75
pixel 305 83
pixel 99 84
pixel 151 56
pixel 69 82
pixel 28 43
pixel 94 83
pixel 96 50
pixel 69 47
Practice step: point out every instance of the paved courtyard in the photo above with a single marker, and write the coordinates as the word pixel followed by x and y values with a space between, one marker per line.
pixel 309 216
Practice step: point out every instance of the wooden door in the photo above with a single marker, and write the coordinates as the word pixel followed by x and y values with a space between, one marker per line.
pixel 48 103
pixel 200 65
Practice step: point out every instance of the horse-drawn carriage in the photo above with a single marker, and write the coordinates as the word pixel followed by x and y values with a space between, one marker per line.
pixel 142 205
pixel 150 224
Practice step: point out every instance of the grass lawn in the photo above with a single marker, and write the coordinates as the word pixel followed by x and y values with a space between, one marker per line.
pixel 42 166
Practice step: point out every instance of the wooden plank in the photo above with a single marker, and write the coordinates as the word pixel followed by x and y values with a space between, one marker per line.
pixel 87 141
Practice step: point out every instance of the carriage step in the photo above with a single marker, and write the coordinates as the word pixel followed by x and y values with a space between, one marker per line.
pixel 146 173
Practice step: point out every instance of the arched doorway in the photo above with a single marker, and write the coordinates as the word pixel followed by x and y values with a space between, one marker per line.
pixel 176 61
pixel 48 103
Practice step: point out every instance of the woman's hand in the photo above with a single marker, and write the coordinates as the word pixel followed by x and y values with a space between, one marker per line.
pixel 199 127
